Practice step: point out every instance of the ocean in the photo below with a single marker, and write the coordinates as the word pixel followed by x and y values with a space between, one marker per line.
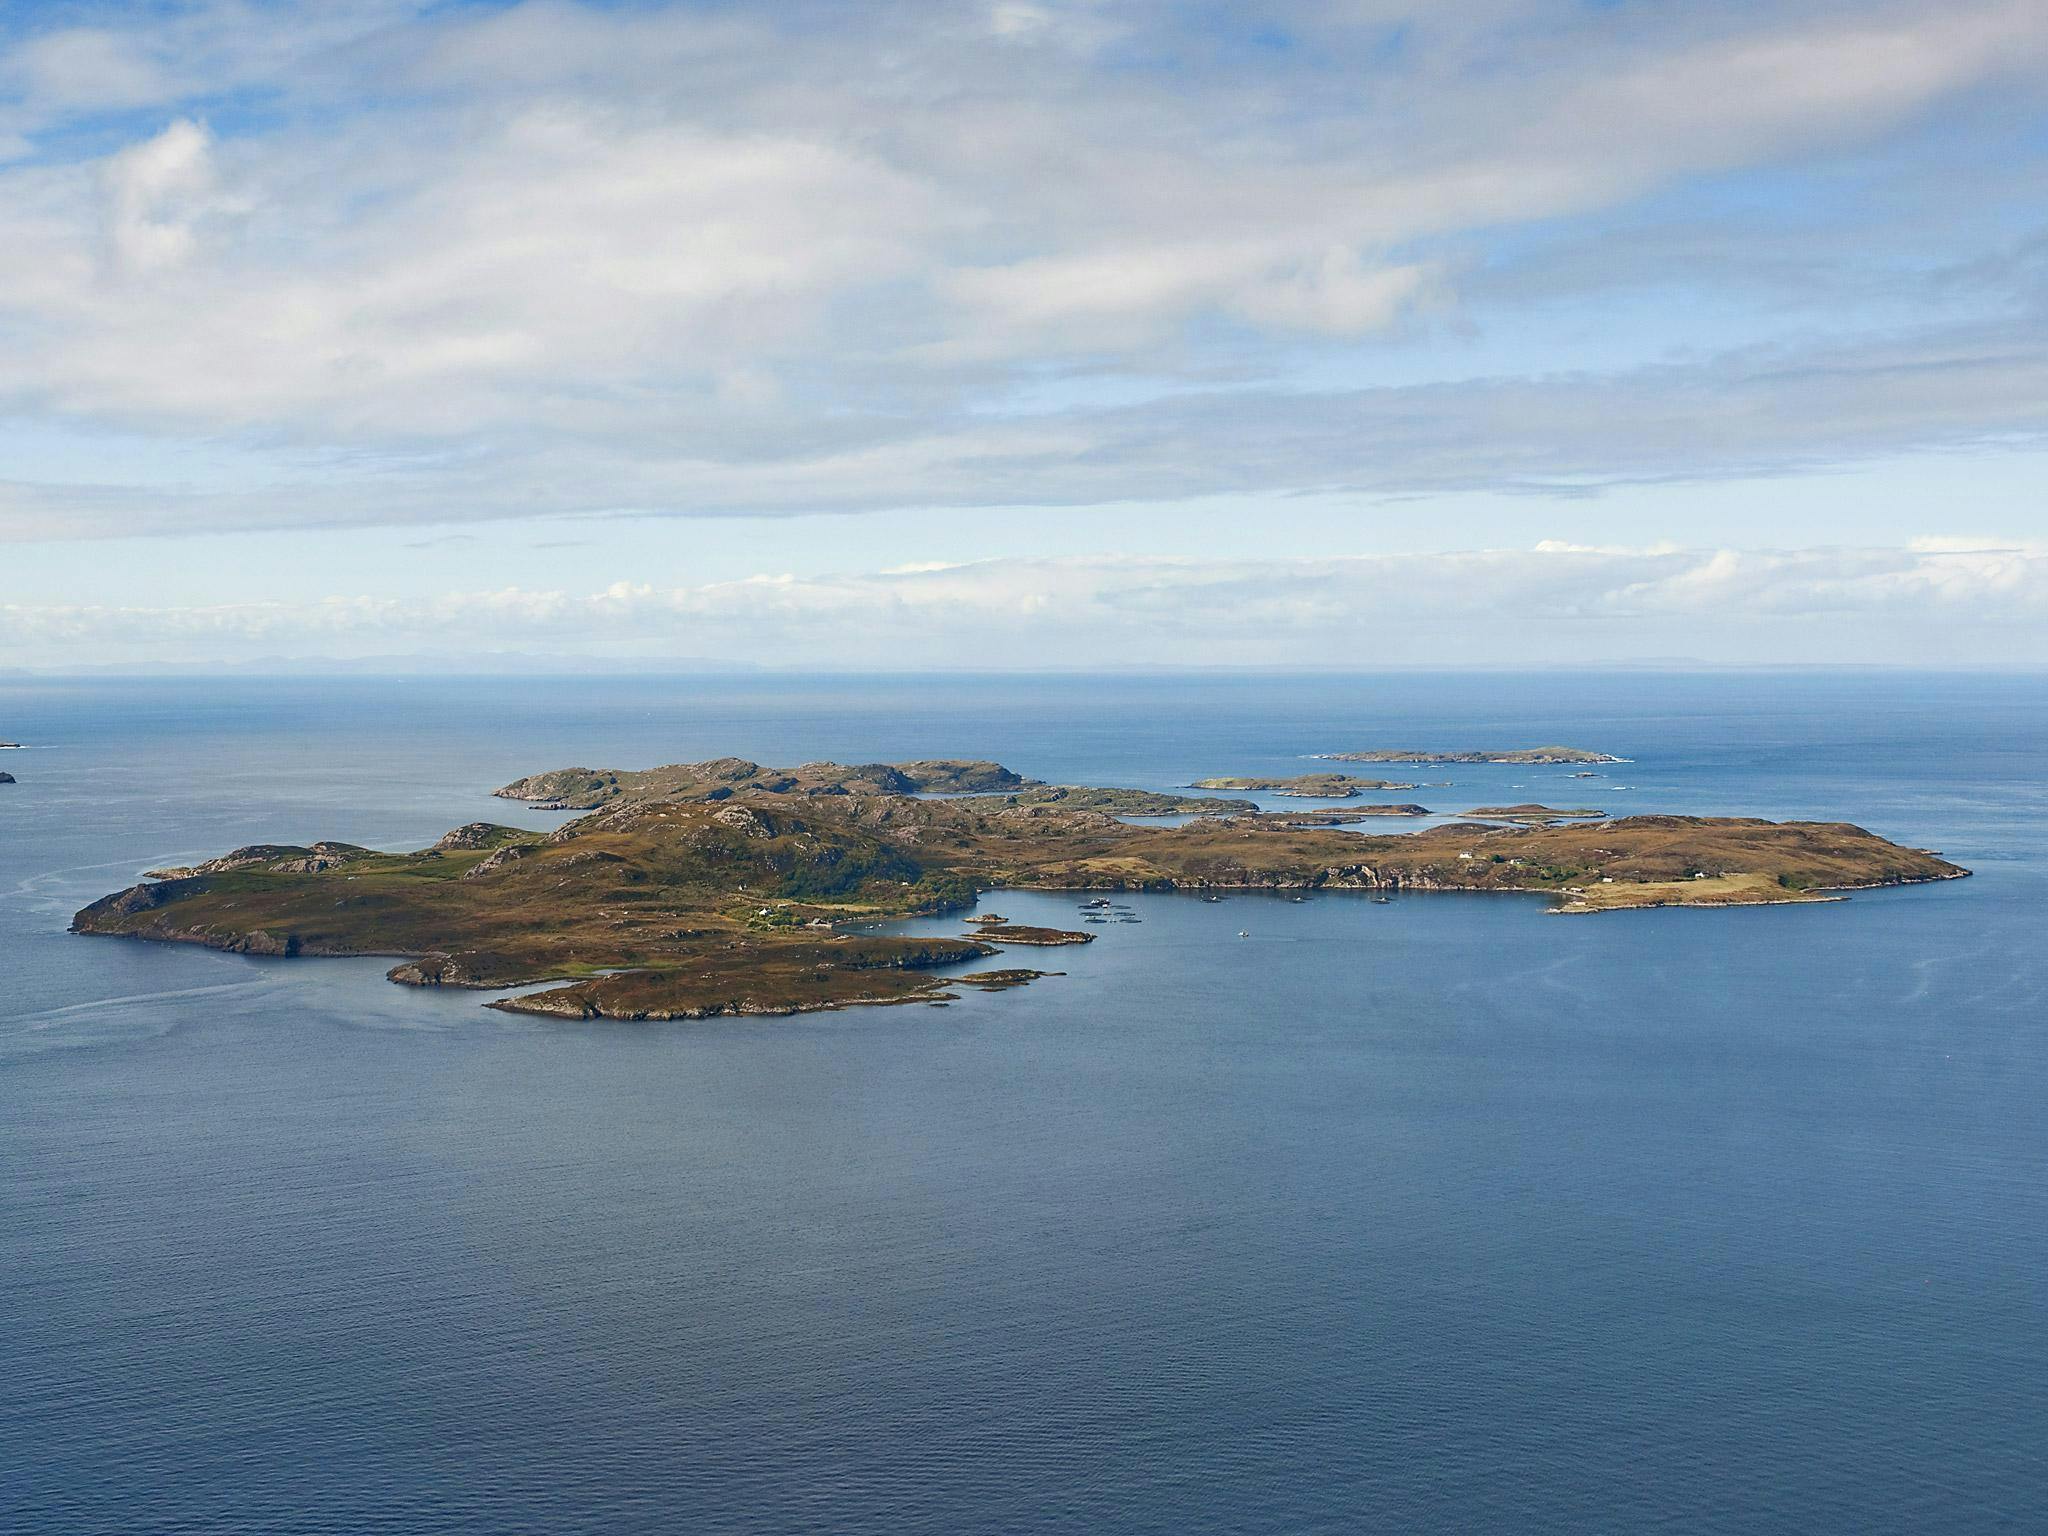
pixel 1444 1214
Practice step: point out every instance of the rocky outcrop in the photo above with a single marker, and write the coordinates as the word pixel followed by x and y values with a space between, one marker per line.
pixel 137 898
pixel 280 858
pixel 440 970
pixel 744 820
pixel 480 834
pixel 260 942
pixel 312 864
pixel 491 863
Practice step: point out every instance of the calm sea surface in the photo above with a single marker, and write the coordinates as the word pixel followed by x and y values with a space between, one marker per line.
pixel 1443 1215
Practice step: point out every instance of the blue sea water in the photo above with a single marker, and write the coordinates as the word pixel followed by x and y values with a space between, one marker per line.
pixel 1440 1215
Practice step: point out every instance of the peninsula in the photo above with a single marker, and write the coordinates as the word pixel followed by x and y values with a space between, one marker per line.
pixel 1521 755
pixel 727 888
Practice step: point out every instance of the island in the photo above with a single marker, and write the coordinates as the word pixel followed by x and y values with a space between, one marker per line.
pixel 1027 935
pixel 725 888
pixel 7 778
pixel 1311 786
pixel 1536 756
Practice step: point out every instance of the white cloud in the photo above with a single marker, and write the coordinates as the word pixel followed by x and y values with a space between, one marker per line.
pixel 157 192
pixel 551 257
pixel 1136 297
pixel 87 68
pixel 1554 603
pixel 1961 544
pixel 1015 18
pixel 1751 414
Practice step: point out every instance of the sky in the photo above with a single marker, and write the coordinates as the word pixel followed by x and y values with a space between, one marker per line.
pixel 1020 333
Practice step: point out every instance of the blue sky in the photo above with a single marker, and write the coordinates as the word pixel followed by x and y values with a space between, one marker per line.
pixel 1362 331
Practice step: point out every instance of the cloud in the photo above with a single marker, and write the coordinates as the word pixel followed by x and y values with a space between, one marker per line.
pixel 1973 389
pixel 458 262
pixel 1555 603
pixel 157 192
pixel 77 68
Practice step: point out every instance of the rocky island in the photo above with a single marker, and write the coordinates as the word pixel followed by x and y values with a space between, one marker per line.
pixel 723 887
pixel 1309 786
pixel 1537 756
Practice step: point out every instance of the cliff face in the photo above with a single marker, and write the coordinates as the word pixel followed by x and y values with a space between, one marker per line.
pixel 731 895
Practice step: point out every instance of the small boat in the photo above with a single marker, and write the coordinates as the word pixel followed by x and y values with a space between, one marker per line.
pixel 1244 933
pixel 1383 900
pixel 1212 898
